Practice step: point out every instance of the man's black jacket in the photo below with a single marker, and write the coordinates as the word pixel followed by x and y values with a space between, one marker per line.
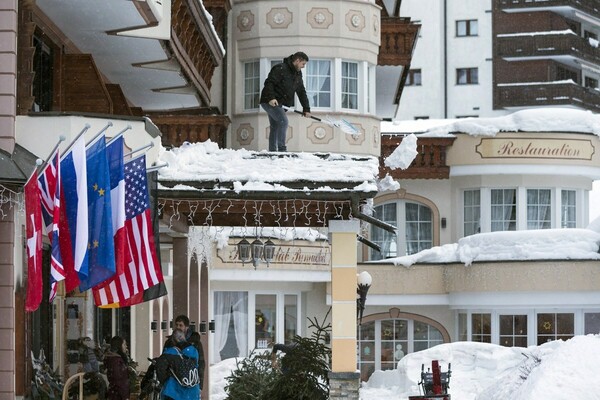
pixel 282 83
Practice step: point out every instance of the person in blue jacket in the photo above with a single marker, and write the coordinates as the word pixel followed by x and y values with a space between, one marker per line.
pixel 177 369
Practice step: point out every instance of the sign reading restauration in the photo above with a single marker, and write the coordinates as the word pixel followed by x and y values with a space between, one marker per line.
pixel 563 149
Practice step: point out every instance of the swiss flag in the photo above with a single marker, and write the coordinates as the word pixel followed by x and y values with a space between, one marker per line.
pixel 33 229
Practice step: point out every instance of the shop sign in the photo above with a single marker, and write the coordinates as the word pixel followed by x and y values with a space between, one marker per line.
pixel 284 254
pixel 561 149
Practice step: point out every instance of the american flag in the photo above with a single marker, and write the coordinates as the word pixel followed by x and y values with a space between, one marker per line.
pixel 49 185
pixel 143 271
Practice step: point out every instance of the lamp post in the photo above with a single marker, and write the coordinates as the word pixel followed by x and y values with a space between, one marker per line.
pixel 364 283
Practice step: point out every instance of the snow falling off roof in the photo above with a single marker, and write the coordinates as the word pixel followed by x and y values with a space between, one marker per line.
pixel 542 244
pixel 533 120
pixel 207 162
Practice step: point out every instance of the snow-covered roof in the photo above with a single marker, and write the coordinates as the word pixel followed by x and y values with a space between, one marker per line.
pixel 532 120
pixel 205 166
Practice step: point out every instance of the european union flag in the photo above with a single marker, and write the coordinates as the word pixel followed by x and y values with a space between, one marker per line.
pixel 101 250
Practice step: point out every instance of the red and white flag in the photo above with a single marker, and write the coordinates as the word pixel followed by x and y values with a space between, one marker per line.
pixel 33 229
pixel 143 270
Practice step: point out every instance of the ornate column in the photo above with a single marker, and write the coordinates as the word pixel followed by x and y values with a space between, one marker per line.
pixel 343 378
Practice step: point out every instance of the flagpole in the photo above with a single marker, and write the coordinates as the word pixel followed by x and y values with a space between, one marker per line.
pixel 157 167
pixel 100 133
pixel 148 146
pixel 128 127
pixel 61 139
pixel 84 130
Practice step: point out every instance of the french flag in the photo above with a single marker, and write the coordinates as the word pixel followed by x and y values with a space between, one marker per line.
pixel 114 154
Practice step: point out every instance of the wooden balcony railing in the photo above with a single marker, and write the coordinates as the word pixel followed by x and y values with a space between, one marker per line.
pixel 177 129
pixel 588 6
pixel 551 45
pixel 398 38
pixel 430 162
pixel 195 45
pixel 559 94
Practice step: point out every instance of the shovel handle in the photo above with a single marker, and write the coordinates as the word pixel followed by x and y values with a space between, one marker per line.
pixel 300 112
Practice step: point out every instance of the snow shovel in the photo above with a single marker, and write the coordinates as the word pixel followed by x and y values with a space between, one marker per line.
pixel 344 125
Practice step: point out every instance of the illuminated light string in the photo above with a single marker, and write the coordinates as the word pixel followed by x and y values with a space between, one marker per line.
pixel 200 237
pixel 12 199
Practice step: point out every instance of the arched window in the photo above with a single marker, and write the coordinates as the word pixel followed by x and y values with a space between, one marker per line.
pixel 415 229
pixel 383 342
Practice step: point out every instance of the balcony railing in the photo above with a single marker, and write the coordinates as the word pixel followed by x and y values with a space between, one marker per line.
pixel 177 129
pixel 430 162
pixel 588 6
pixel 398 37
pixel 551 45
pixel 559 94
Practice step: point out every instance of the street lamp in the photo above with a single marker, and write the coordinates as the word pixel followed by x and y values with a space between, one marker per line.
pixel 244 251
pixel 364 283
pixel 256 251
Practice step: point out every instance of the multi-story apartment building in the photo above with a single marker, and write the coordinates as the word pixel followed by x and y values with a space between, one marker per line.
pixel 492 57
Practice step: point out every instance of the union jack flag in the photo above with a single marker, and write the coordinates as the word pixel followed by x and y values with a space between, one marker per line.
pixel 49 185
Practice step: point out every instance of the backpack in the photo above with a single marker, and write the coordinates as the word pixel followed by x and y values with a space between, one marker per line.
pixel 185 370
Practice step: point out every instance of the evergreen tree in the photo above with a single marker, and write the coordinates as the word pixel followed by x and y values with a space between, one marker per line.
pixel 305 376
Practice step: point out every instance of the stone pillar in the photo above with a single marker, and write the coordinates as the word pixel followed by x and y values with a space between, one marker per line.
pixel 343 379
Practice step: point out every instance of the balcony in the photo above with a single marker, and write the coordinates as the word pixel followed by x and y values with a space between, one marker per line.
pixel 586 6
pixel 547 94
pixel 550 46
pixel 398 38
pixel 430 162
pixel 177 129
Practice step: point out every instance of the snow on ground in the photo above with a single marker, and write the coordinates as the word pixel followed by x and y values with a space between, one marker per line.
pixel 558 370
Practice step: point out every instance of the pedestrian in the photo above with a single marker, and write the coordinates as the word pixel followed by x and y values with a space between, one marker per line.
pixel 116 362
pixel 177 369
pixel 284 81
pixel 285 363
pixel 182 322
pixel 88 357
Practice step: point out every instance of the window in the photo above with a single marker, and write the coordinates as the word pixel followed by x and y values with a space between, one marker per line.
pixel 413 78
pixel 472 212
pixel 466 27
pixel 318 83
pixel 539 209
pixel 555 326
pixel 290 310
pixel 481 327
pixel 231 316
pixel 467 76
pixel 350 85
pixel 564 74
pixel 591 83
pixel 43 67
pixel 394 342
pixel 592 323
pixel 568 209
pixel 415 219
pixel 425 336
pixel 513 330
pixel 419 228
pixel 462 328
pixel 265 320
pixel 251 85
pixel 504 210
pixel 382 343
